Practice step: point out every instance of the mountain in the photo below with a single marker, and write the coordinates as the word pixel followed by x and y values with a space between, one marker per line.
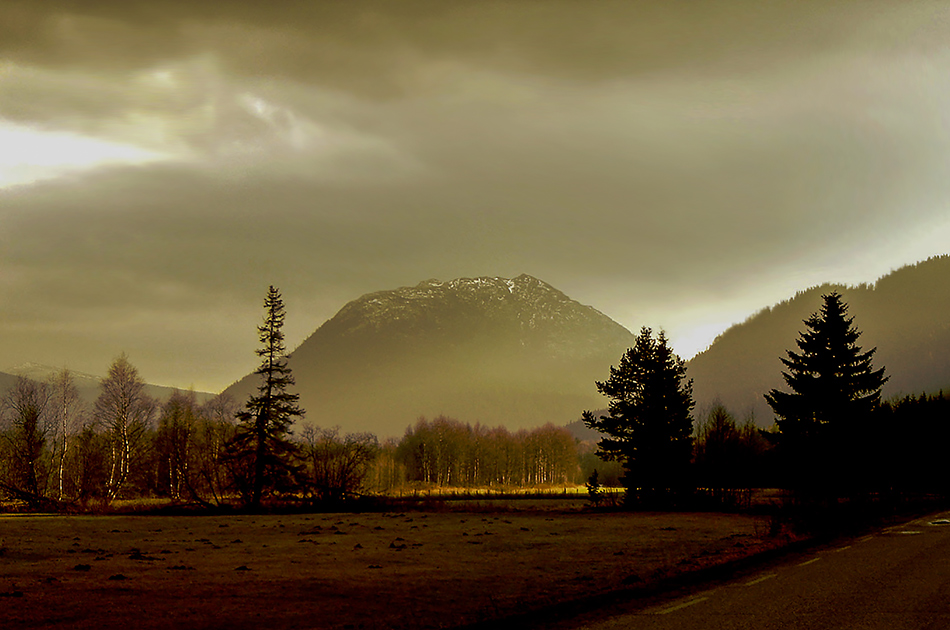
pixel 905 314
pixel 513 352
pixel 87 384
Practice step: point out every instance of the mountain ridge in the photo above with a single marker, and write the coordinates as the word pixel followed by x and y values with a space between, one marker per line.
pixel 87 384
pixel 518 352
pixel 903 314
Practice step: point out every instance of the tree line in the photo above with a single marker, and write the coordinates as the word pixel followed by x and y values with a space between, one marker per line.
pixel 447 452
pixel 834 438
pixel 56 449
pixel 129 445
pixel 53 448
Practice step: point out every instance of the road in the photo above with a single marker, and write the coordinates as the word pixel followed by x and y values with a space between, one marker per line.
pixel 897 578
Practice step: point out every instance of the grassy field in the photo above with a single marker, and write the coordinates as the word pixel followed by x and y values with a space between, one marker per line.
pixel 386 570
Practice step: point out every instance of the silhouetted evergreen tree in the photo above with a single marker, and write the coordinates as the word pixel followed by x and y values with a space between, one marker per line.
pixel 834 391
pixel 262 451
pixel 594 488
pixel 648 421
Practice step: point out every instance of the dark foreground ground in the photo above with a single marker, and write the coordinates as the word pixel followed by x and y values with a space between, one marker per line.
pixel 393 570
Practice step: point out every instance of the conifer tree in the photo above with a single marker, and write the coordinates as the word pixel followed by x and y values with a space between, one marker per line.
pixel 648 422
pixel 262 447
pixel 594 488
pixel 834 389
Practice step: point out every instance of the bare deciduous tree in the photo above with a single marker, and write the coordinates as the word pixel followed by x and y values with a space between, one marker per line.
pixel 67 410
pixel 124 410
pixel 337 466
pixel 26 414
pixel 447 452
pixel 216 430
pixel 175 444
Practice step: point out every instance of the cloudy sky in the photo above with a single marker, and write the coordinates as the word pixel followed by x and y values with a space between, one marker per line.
pixel 674 164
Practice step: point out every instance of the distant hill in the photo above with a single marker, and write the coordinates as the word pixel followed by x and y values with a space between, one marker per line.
pixel 581 432
pixel 906 315
pixel 513 352
pixel 87 384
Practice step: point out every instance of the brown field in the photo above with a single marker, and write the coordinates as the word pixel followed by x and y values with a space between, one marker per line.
pixel 386 570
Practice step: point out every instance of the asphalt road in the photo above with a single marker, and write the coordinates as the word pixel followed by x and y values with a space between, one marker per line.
pixel 897 578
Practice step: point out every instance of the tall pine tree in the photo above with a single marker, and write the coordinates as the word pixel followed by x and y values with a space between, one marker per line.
pixel 834 390
pixel 262 448
pixel 648 422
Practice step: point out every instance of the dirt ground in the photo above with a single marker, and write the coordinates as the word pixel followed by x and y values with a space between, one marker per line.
pixel 392 570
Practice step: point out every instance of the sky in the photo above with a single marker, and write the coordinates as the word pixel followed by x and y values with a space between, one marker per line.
pixel 678 165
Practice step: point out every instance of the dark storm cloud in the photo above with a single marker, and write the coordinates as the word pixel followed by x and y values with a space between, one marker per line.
pixel 348 42
pixel 376 47
pixel 609 212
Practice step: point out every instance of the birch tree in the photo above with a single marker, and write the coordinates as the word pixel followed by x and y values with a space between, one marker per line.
pixel 67 407
pixel 124 411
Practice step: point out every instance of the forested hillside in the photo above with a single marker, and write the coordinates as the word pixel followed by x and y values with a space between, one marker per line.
pixel 905 314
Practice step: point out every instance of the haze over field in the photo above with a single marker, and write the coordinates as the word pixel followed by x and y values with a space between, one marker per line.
pixel 673 165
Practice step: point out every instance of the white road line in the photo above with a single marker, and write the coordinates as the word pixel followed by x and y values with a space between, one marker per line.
pixel 865 539
pixel 761 579
pixel 667 611
pixel 842 548
pixel 807 562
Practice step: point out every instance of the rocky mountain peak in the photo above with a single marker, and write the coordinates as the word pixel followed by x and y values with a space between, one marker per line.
pixel 523 309
pixel 512 351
